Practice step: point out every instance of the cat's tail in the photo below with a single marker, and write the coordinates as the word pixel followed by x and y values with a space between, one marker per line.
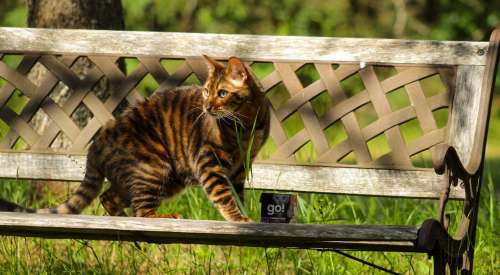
pixel 83 196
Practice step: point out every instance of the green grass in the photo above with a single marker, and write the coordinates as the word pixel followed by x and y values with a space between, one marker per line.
pixel 36 255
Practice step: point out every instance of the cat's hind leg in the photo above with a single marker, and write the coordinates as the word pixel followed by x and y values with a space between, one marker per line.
pixel 113 203
pixel 148 186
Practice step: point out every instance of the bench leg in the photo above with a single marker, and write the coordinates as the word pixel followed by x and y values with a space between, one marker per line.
pixel 439 263
pixel 471 207
pixel 445 264
pixel 453 253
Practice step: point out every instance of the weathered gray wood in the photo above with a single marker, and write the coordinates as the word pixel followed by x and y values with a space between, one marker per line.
pixel 465 111
pixel 252 47
pixel 267 176
pixel 42 166
pixel 197 231
pixel 353 181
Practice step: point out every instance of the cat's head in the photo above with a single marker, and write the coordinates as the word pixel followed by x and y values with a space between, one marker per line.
pixel 228 87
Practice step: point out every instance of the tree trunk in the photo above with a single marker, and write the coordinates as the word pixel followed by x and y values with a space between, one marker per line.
pixel 70 14
pixel 75 14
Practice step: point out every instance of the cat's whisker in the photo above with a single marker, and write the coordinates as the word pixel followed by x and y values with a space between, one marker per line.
pixel 233 117
pixel 242 115
pixel 239 121
pixel 195 108
pixel 198 118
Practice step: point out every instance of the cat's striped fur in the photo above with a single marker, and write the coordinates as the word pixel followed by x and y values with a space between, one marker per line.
pixel 185 136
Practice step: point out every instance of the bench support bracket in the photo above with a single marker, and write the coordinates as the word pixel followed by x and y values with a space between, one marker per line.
pixel 452 253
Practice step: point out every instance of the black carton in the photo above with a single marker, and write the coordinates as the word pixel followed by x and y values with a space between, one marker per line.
pixel 277 208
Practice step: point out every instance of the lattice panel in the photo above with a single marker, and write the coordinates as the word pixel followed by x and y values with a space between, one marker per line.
pixel 59 74
pixel 349 114
pixel 320 112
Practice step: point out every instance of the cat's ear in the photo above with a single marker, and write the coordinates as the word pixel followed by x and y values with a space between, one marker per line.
pixel 236 72
pixel 212 64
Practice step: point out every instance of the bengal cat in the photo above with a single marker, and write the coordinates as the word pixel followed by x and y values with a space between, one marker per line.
pixel 190 135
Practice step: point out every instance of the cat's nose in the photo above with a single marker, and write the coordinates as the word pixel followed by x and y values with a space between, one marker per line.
pixel 209 107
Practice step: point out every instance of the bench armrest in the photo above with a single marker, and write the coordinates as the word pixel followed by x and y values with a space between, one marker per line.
pixel 463 126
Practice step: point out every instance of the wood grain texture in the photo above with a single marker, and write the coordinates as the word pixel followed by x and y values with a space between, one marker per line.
pixel 345 180
pixel 465 112
pixel 475 87
pixel 197 231
pixel 251 47
pixel 266 176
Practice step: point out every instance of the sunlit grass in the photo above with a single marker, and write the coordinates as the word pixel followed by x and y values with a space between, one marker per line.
pixel 28 255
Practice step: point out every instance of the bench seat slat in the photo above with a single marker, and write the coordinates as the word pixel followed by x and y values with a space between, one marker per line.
pixel 371 237
pixel 252 47
pixel 266 176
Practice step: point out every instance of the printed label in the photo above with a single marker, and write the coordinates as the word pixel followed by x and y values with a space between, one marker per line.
pixel 277 208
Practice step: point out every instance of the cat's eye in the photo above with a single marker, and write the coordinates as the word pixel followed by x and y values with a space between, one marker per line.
pixel 222 93
pixel 205 92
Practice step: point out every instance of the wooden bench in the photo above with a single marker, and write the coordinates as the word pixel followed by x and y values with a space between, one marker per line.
pixel 465 70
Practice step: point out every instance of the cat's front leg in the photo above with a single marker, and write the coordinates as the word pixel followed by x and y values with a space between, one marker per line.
pixel 238 179
pixel 214 180
pixel 243 169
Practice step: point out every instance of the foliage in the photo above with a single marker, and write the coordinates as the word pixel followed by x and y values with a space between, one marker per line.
pixel 429 19
pixel 12 13
pixel 444 19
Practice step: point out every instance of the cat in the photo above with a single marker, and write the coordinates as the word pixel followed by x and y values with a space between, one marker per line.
pixel 190 135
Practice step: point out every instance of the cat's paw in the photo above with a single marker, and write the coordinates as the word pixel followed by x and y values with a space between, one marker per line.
pixel 243 219
pixel 168 216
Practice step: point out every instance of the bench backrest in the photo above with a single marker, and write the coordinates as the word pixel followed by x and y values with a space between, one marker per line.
pixel 337 102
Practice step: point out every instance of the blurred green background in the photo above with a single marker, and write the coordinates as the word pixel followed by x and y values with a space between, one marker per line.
pixel 417 19
pixel 443 19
